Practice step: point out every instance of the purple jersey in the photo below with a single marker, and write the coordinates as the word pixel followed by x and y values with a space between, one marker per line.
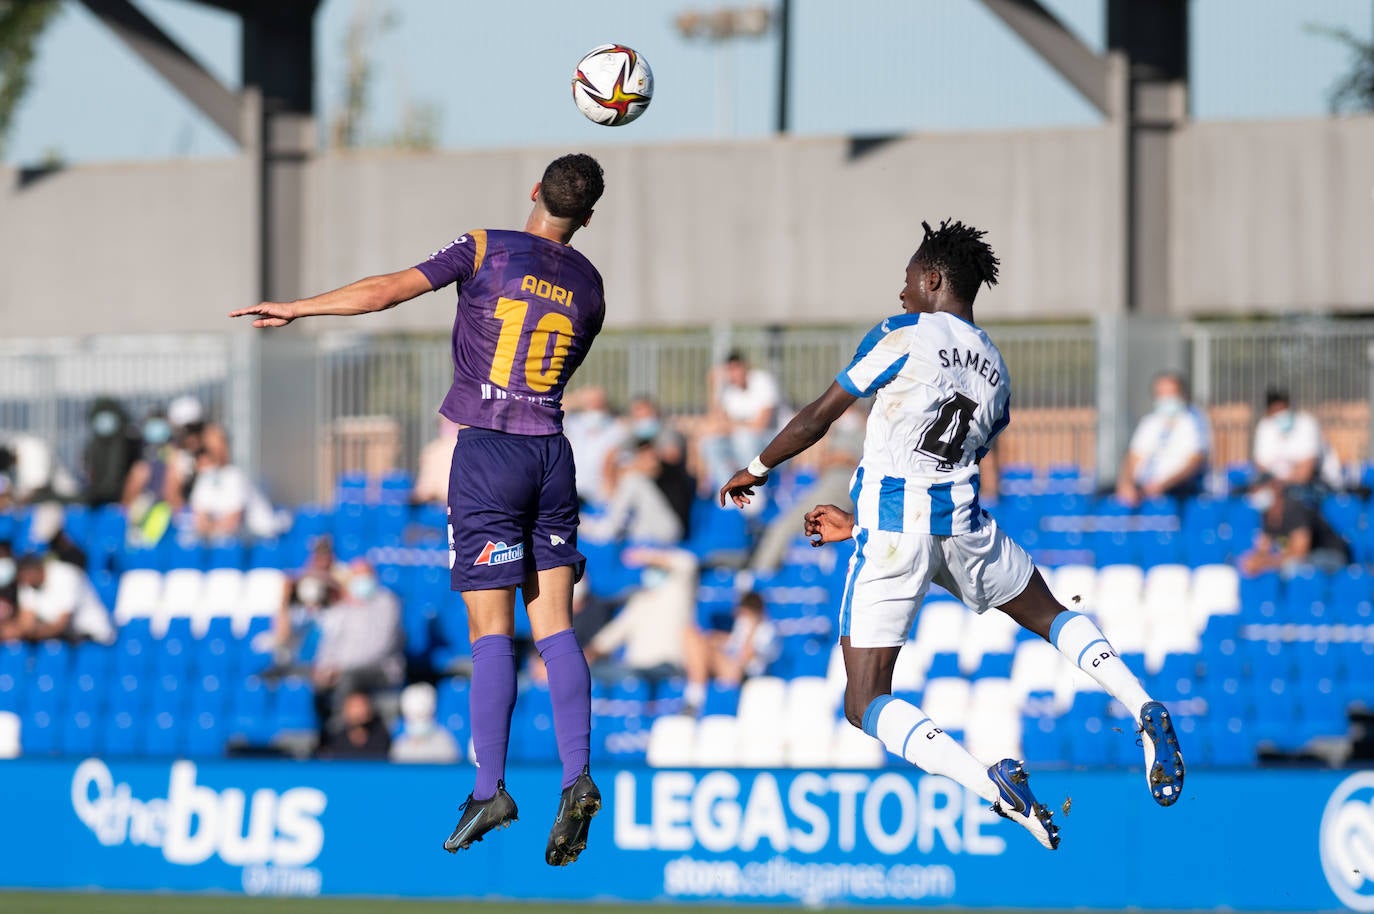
pixel 528 310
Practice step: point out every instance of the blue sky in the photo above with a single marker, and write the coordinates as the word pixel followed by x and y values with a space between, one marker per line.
pixel 498 72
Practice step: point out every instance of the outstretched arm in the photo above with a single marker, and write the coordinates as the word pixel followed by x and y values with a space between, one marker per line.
pixel 372 293
pixel 807 427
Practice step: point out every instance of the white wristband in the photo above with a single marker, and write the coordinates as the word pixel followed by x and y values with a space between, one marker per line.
pixel 757 468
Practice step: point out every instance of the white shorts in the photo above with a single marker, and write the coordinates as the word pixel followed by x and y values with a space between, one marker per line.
pixel 890 573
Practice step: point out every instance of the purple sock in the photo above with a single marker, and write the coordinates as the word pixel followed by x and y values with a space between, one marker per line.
pixel 490 704
pixel 570 690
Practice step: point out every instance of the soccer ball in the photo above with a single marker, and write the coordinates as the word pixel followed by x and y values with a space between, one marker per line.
pixel 613 85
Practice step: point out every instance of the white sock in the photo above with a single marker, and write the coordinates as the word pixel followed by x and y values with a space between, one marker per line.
pixel 1076 636
pixel 694 695
pixel 906 731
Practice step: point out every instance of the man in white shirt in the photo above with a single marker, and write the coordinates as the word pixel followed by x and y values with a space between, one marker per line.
pixel 1288 443
pixel 225 503
pixel 56 600
pixel 653 624
pixel 594 433
pixel 1169 450
pixel 745 404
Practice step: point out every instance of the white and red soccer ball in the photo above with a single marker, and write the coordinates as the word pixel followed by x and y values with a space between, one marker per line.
pixel 613 85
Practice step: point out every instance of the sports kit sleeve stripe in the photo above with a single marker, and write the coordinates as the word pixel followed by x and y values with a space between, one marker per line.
pixel 880 355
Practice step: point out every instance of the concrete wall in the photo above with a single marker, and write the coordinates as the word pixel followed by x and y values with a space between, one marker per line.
pixel 1273 217
pixel 779 231
pixel 1265 216
pixel 133 248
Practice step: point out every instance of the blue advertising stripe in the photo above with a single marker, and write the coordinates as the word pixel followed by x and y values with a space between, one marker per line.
pixel 891 504
pixel 889 837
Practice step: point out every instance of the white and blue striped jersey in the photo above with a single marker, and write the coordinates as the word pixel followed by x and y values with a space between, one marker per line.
pixel 942 396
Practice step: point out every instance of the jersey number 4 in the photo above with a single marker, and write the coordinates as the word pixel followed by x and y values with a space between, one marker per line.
pixel 944 437
pixel 549 344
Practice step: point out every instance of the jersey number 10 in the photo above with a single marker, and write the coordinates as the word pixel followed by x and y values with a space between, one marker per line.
pixel 944 437
pixel 554 331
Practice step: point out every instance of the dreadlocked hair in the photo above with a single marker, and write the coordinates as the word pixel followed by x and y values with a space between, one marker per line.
pixel 961 255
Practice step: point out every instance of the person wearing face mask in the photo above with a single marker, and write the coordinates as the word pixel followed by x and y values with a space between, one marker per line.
pixel 1293 534
pixel 110 452
pixel 651 630
pixel 638 512
pixel 152 494
pixel 422 740
pixel 361 641
pixel 1289 447
pixel 595 434
pixel 1169 450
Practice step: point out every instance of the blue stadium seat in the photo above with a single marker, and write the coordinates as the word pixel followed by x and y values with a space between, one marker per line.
pixel 172 656
pixel 210 693
pixel 78 734
pixel 1230 742
pixel 38 733
pixel 623 741
pixel 1266 660
pixel 667 697
pixel 206 733
pixel 452 710
pixel 178 629
pixel 226 554
pixel 716 531
pixel 118 735
pixel 52 658
pixel 166 695
pixel 1305 597
pixel 11 694
pixel 721 699
pixel 45 693
pixel 162 735
pixel 126 694
pixel 295 705
pixel 944 666
pixel 249 718
pixel 270 553
pixel 1259 597
pixel 995 666
pixel 14 658
pixel 1352 596
pixel 395 487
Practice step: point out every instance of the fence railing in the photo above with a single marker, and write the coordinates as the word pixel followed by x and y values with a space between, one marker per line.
pixel 378 396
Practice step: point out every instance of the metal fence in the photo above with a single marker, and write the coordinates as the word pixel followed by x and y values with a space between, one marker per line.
pixel 377 397
pixel 47 386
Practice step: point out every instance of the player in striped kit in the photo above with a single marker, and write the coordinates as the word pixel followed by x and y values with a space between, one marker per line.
pixel 942 394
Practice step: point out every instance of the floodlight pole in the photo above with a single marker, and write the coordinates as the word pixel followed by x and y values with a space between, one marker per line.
pixel 784 60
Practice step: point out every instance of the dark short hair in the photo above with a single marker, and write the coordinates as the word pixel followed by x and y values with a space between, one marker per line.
pixel 1276 395
pixel 734 355
pixel 961 255
pixel 29 562
pixel 1178 378
pixel 751 599
pixel 571 186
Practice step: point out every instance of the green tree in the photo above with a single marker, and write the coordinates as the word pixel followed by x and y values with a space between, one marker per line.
pixel 21 22
pixel 1355 90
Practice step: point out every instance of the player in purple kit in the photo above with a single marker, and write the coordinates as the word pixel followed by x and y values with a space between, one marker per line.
pixel 529 307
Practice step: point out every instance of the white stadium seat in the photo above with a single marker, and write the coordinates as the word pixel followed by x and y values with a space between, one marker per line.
pixel 140 594
pixel 946 701
pixel 10 745
pixel 1166 588
pixel 1071 581
pixel 182 589
pixel 223 592
pixel 263 589
pixel 939 628
pixel 1215 590
pixel 1037 667
pixel 671 741
pixel 910 673
pixel 1118 592
pixel 853 748
pixel 761 701
pixel 717 742
pixel 992 632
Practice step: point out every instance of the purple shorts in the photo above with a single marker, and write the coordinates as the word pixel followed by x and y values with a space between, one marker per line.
pixel 512 508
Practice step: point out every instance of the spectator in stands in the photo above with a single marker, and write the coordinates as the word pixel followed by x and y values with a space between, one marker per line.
pixel 317 585
pixel 190 434
pixel 1290 449
pixel 110 452
pixel 673 479
pixel 152 488
pixel 360 646
pixel 638 511
pixel 224 502
pixel 595 435
pixel 746 650
pixel 1293 536
pixel 9 593
pixel 840 451
pixel 361 735
pixel 744 406
pixel 651 629
pixel 56 600
pixel 31 473
pixel 436 459
pixel 421 739
pixel 1169 450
